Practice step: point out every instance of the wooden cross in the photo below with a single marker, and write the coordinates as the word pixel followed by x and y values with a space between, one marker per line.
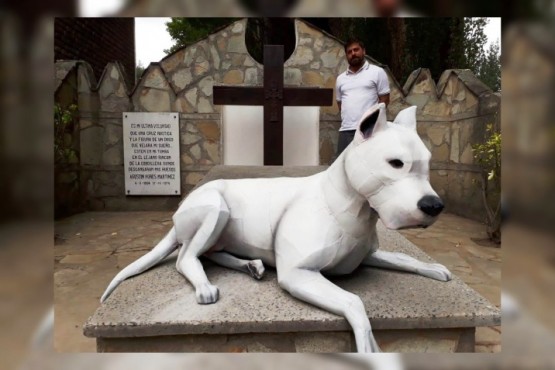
pixel 273 96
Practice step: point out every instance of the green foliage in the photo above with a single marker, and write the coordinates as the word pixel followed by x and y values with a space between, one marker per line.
pixel 468 41
pixel 473 43
pixel 456 57
pixel 450 43
pixel 488 156
pixel 139 70
pixel 186 31
pixel 411 43
pixel 490 69
pixel 64 123
pixel 432 43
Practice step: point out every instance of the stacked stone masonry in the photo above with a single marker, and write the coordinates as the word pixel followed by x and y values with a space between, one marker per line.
pixel 452 114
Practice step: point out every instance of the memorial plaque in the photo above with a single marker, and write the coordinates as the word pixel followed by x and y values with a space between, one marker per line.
pixel 151 153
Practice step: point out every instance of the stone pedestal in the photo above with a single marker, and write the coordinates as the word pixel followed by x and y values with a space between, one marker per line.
pixel 157 312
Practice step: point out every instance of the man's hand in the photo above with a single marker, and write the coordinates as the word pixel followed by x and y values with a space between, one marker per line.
pixel 384 99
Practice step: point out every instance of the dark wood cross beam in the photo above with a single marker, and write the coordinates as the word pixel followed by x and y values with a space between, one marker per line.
pixel 273 96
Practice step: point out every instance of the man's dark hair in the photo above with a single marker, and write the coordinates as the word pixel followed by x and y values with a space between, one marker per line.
pixel 353 40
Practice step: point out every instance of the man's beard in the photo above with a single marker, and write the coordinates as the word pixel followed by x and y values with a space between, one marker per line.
pixel 356 62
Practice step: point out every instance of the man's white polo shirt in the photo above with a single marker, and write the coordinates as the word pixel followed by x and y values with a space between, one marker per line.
pixel 358 92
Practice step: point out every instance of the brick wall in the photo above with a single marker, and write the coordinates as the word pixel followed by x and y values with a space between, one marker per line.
pixel 97 41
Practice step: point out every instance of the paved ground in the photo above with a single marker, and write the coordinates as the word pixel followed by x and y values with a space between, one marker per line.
pixel 461 245
pixel 91 247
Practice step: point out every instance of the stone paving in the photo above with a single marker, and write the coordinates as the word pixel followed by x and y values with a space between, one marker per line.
pixel 90 248
pixel 461 244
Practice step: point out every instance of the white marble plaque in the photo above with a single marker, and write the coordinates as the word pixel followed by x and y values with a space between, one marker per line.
pixel 151 153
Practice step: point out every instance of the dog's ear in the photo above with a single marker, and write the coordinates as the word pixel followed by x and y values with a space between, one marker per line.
pixel 407 117
pixel 373 121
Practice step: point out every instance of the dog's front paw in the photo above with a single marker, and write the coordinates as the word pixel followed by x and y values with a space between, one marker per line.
pixel 256 269
pixel 435 271
pixel 207 294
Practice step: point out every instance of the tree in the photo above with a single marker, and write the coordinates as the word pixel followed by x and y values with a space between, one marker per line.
pixel 186 31
pixel 474 41
pixel 488 156
pixel 490 69
pixel 139 69
pixel 467 51
pixel 433 43
pixel 403 44
pixel 65 119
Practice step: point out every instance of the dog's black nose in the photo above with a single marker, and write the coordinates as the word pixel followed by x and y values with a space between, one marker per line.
pixel 430 205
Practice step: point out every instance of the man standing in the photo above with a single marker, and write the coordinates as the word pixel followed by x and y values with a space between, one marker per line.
pixel 357 89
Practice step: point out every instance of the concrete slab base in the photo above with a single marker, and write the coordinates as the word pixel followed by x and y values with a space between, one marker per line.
pixel 157 312
pixel 402 341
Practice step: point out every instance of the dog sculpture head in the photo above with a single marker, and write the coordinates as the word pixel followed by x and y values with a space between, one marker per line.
pixel 388 164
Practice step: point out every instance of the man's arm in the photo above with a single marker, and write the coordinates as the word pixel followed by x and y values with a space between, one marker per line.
pixel 384 99
pixel 338 95
pixel 382 87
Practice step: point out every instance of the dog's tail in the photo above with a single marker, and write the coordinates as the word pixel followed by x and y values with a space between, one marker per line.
pixel 163 249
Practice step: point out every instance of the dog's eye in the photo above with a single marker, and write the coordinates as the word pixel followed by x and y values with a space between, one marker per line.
pixel 396 163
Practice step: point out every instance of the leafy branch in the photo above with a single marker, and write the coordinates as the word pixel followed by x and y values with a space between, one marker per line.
pixel 64 123
pixel 488 156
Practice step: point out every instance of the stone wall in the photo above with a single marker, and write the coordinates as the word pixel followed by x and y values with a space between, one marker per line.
pixel 452 113
pixel 67 190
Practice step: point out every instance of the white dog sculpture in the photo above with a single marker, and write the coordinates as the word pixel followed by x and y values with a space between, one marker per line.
pixel 309 226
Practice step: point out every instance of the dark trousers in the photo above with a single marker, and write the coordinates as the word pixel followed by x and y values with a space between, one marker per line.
pixel 345 138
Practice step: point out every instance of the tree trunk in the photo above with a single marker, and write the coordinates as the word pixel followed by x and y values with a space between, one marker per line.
pixel 397 33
